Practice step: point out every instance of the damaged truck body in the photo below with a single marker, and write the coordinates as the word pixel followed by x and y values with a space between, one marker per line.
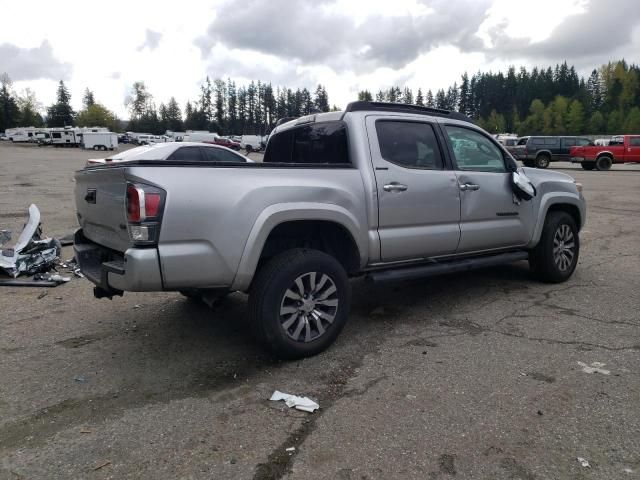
pixel 389 191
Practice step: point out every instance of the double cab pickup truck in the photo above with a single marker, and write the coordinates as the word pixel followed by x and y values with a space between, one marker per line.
pixel 387 191
pixel 621 149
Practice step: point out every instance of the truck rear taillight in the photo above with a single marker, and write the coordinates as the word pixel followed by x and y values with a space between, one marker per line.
pixel 144 205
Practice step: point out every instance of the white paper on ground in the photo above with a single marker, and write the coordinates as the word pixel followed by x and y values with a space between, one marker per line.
pixel 300 403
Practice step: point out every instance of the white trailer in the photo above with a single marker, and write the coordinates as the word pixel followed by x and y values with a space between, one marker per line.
pixel 251 143
pixel 64 137
pixel 100 140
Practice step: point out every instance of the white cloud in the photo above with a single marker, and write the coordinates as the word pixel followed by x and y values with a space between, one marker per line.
pixel 346 45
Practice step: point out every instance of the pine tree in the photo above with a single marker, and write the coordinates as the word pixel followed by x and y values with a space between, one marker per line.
pixel 441 99
pixel 88 99
pixel 365 96
pixel 430 102
pixel 420 98
pixel 220 96
pixel 321 99
pixel 173 119
pixel 232 107
pixel 463 102
pixel 206 104
pixel 9 111
pixel 407 96
pixel 60 114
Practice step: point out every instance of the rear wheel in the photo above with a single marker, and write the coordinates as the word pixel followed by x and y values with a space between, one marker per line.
pixel 604 163
pixel 555 257
pixel 299 302
pixel 588 165
pixel 249 149
pixel 542 161
pixel 96 148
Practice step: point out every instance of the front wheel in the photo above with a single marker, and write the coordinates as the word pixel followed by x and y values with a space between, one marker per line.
pixel 542 161
pixel 299 302
pixel 588 165
pixel 249 149
pixel 555 257
pixel 528 163
pixel 604 163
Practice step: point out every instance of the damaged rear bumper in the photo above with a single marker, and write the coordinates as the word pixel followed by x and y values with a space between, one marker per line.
pixel 135 270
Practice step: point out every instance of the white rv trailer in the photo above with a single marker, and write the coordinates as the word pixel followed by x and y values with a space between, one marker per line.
pixel 100 140
pixel 65 137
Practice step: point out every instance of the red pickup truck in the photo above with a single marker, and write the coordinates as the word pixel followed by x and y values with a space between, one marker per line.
pixel 621 149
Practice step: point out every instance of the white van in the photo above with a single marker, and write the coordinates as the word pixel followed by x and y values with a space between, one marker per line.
pixel 251 143
pixel 100 140
pixel 205 137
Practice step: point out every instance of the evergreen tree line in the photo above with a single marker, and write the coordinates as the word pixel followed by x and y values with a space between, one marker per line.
pixel 551 101
pixel 224 107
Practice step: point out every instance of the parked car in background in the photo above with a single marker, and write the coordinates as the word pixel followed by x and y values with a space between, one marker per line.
pixel 410 192
pixel 621 149
pixel 538 152
pixel 176 151
pixel 225 142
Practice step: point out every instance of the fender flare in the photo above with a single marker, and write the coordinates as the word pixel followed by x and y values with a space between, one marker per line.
pixel 279 213
pixel 546 202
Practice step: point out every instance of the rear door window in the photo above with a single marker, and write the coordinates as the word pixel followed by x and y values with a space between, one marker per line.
pixel 551 141
pixel 538 141
pixel 409 144
pixel 191 154
pixel 634 141
pixel 320 143
pixel 569 142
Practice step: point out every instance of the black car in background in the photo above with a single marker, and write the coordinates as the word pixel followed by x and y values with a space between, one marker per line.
pixel 538 152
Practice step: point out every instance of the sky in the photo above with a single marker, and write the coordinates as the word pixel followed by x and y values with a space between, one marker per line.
pixel 346 45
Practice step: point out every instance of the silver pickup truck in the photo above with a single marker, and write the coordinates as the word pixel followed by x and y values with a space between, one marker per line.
pixel 388 191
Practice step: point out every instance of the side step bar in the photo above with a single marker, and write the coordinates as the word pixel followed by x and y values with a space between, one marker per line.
pixel 453 266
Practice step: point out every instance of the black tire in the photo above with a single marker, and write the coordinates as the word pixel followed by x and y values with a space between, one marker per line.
pixel 191 294
pixel 529 163
pixel 96 148
pixel 543 261
pixel 249 149
pixel 588 165
pixel 604 163
pixel 272 306
pixel 543 160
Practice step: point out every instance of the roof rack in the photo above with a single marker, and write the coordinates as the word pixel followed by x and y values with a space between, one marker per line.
pixel 404 108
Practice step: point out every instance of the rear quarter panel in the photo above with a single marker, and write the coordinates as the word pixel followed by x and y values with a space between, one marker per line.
pixel 211 213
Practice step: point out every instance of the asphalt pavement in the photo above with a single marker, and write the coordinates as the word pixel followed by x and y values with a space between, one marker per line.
pixel 485 375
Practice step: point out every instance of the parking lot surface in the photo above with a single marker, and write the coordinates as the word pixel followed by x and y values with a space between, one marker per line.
pixel 482 375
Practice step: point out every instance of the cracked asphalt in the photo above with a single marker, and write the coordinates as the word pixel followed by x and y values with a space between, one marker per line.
pixel 478 376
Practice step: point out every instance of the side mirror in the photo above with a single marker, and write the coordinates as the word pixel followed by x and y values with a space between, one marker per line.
pixel 522 186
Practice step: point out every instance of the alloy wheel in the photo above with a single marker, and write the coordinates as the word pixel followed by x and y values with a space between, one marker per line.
pixel 309 307
pixel 563 247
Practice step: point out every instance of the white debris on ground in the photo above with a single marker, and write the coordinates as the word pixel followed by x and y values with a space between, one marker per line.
pixel 583 462
pixel 595 367
pixel 300 403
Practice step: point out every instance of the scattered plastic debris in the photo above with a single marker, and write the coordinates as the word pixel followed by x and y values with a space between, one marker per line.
pixel 290 449
pixel 137 306
pixel 80 380
pixel 595 367
pixel 31 254
pixel 628 470
pixel 583 462
pixel 300 403
pixel 42 295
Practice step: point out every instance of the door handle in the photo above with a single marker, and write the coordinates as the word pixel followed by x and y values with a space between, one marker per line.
pixel 395 187
pixel 469 186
